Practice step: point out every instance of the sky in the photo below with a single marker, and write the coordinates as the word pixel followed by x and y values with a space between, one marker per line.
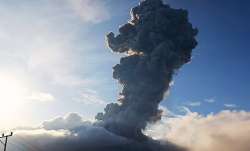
pixel 54 60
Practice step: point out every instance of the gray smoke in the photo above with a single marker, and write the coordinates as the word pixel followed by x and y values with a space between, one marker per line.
pixel 157 41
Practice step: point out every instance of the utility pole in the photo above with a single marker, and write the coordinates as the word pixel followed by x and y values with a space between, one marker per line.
pixel 4 143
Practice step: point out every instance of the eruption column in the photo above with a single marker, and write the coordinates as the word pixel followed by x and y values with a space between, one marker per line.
pixel 157 41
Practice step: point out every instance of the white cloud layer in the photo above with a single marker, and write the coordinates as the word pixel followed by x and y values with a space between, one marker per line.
pixel 68 122
pixel 225 131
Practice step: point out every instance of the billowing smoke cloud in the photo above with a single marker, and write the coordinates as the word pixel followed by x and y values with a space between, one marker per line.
pixel 224 131
pixel 157 41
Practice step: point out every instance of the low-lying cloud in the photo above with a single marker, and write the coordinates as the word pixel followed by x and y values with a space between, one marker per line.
pixel 69 122
pixel 224 131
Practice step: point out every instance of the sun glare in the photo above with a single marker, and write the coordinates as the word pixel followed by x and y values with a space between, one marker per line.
pixel 12 94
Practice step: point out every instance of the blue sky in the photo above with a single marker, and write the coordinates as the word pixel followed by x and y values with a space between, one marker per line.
pixel 219 67
pixel 55 51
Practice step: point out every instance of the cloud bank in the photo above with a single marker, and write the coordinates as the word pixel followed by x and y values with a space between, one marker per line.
pixel 68 122
pixel 224 131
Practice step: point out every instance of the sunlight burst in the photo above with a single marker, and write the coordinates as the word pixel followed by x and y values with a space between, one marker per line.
pixel 12 95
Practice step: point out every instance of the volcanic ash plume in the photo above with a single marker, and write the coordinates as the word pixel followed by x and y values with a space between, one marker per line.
pixel 157 41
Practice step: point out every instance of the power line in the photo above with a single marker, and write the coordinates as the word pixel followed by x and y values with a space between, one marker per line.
pixel 4 143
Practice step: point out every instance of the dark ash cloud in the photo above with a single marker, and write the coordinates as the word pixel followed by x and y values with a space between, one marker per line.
pixel 157 41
